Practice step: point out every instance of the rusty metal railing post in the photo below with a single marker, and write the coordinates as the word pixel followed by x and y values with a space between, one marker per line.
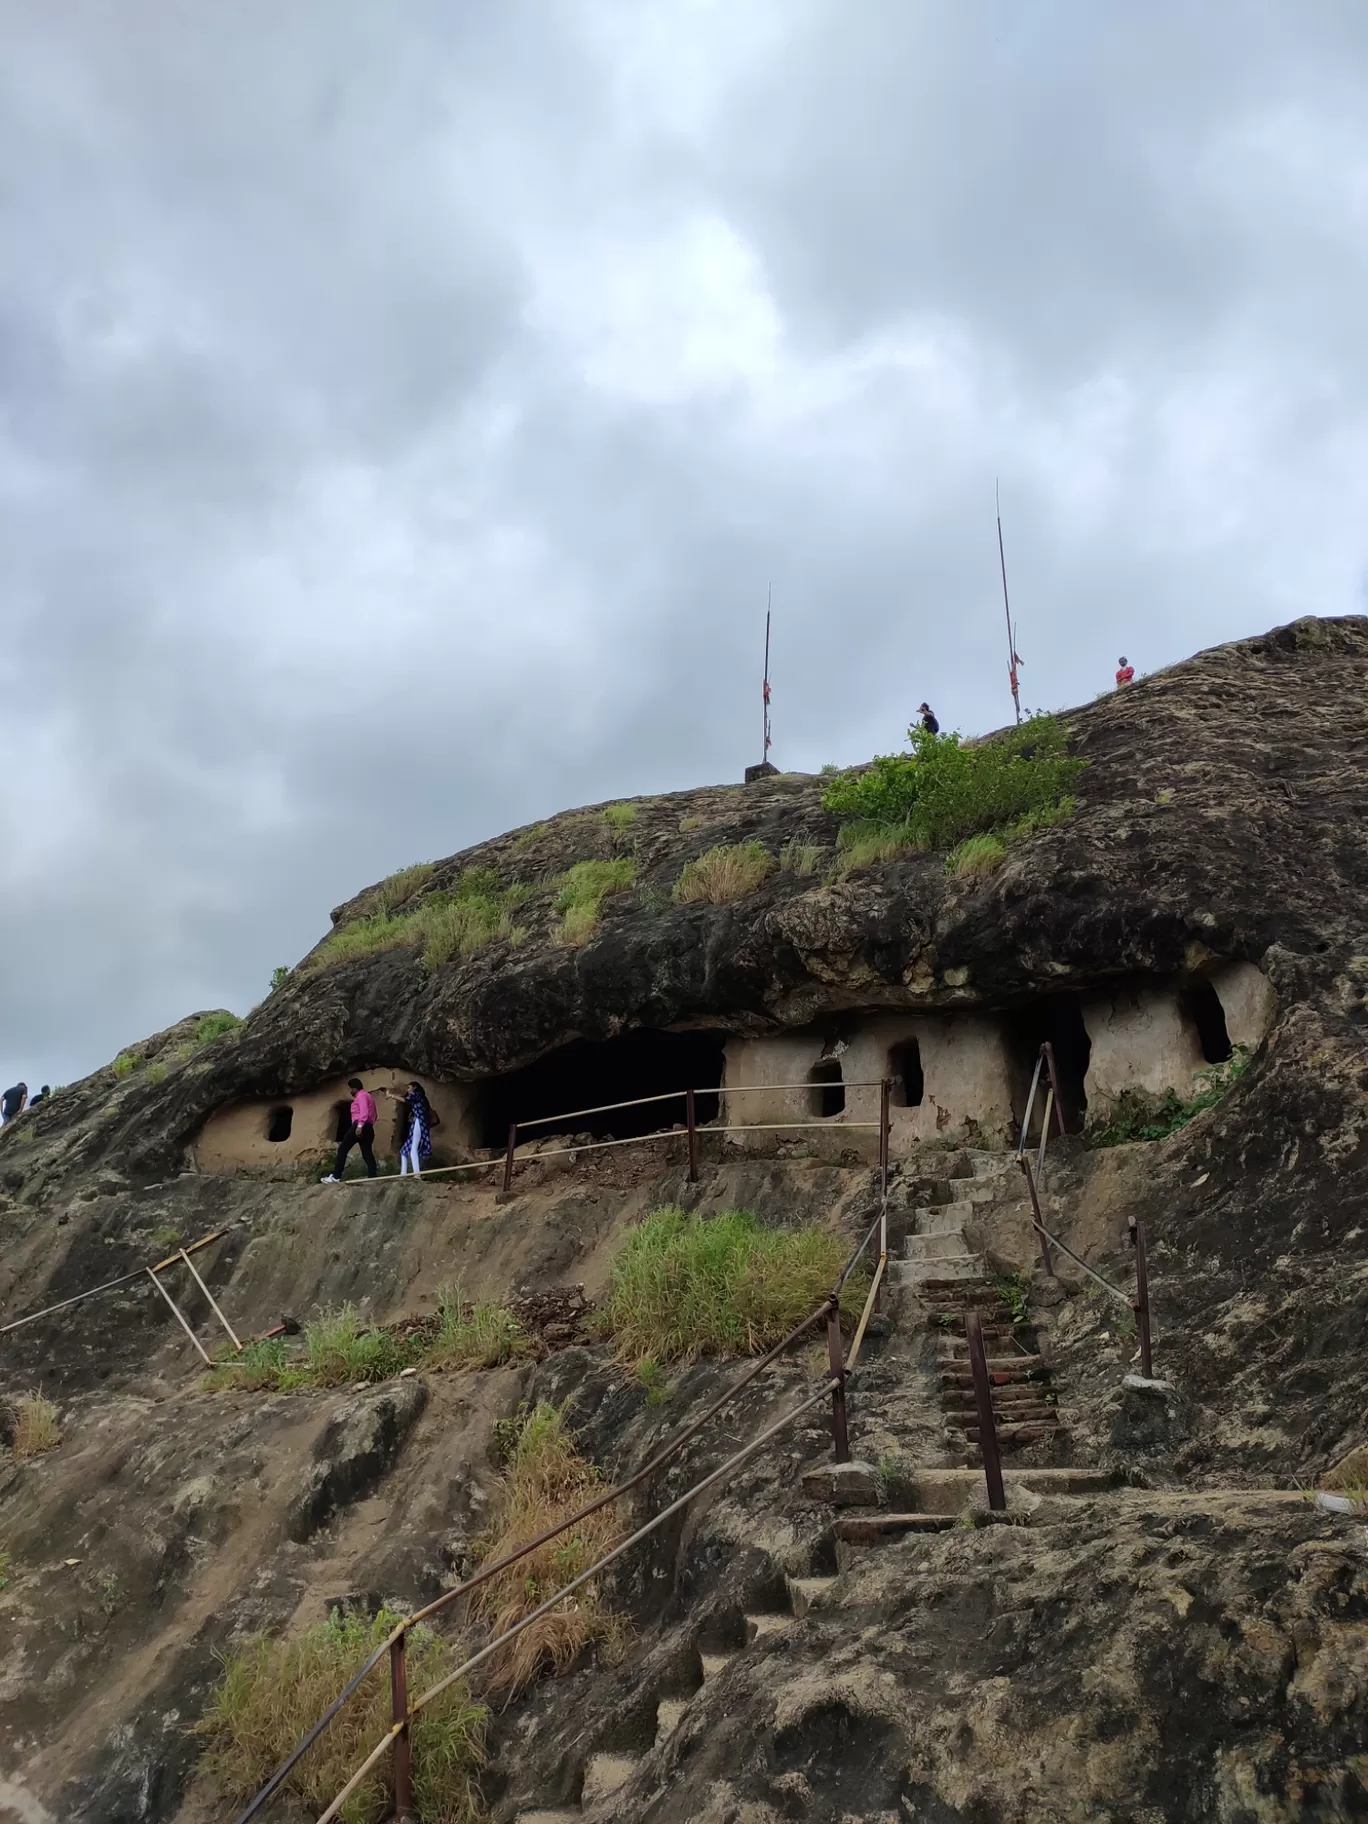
pixel 885 1100
pixel 692 1121
pixel 983 1399
pixel 1142 1306
pixel 1041 1236
pixel 403 1747
pixel 840 1435
pixel 508 1159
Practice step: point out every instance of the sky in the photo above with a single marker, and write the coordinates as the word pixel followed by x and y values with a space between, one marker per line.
pixel 405 411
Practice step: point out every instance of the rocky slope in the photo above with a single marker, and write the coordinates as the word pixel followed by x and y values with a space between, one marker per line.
pixel 1189 1644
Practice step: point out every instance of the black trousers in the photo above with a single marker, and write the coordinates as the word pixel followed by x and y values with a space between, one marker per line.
pixel 365 1134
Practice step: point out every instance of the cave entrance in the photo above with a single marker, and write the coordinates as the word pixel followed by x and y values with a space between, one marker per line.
pixel 589 1073
pixel 905 1069
pixel 826 1097
pixel 342 1121
pixel 1058 1020
pixel 1202 1005
pixel 278 1124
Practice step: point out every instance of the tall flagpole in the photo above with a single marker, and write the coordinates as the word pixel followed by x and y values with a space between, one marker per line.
pixel 769 598
pixel 1012 660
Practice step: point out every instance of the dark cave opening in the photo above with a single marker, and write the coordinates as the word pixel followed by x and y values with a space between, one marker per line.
pixel 1202 1005
pixel 342 1121
pixel 278 1124
pixel 589 1073
pixel 1056 1019
pixel 827 1095
pixel 905 1070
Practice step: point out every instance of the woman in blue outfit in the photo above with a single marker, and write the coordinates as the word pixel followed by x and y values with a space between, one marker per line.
pixel 417 1143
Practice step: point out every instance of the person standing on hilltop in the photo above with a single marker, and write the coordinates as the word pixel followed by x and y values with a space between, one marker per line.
pixel 928 718
pixel 362 1130
pixel 1125 673
pixel 12 1102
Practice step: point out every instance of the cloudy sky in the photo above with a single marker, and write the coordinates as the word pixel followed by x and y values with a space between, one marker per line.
pixel 404 410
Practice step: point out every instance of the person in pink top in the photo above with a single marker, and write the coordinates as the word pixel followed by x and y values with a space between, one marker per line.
pixel 363 1114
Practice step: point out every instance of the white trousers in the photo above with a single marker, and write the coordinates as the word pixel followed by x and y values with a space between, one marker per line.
pixel 408 1151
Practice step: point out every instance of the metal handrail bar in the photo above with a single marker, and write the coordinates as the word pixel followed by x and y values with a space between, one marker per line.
pixel 854 1259
pixel 671 1133
pixel 671 1095
pixel 657 1520
pixel 124 1279
pixel 858 1339
pixel 1063 1246
pixel 1045 1129
pixel 1030 1103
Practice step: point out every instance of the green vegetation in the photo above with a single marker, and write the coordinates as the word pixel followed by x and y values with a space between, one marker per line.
pixel 582 890
pixel 682 1286
pixel 214 1025
pixel 473 1335
pixel 1138 1116
pixel 35 1426
pixel 125 1064
pixel 801 857
pixel 273 1691
pixel 458 923
pixel 620 817
pixel 1012 1292
pixel 691 822
pixel 398 888
pixel 156 1071
pixel 940 793
pixel 279 976
pixel 975 857
pixel 545 1481
pixel 339 1349
pixel 651 1377
pixel 723 874
pixel 534 831
pixel 4 1569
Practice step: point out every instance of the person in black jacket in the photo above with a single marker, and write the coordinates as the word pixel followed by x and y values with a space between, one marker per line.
pixel 928 718
pixel 12 1103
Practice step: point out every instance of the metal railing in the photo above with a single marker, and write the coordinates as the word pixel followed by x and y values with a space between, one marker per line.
pixel 1139 1305
pixel 1053 1105
pixel 841 1365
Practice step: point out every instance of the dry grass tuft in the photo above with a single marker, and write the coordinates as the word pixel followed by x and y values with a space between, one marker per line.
pixel 273 1691
pixel 723 874
pixel 801 858
pixel 393 891
pixel 35 1426
pixel 546 1480
pixel 582 889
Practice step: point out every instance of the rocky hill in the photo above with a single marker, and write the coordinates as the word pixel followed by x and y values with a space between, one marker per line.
pixel 1183 1637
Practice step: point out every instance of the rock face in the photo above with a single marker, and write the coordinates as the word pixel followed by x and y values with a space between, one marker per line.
pixel 1219 816
pixel 1188 1644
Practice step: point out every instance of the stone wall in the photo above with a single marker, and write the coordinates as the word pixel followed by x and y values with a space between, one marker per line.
pixel 235 1138
pixel 1247 999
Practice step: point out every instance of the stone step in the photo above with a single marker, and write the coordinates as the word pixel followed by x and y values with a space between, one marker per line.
pixel 939 1219
pixel 1004 1417
pixel 669 1715
pixel 945 1491
pixel 935 1272
pixel 871 1530
pixel 550 1817
pixel 949 1245
pixel 1011 1394
pixel 1016 1434
pixel 761 1627
pixel 603 1774
pixel 714 1663
pixel 1001 1370
pixel 803 1592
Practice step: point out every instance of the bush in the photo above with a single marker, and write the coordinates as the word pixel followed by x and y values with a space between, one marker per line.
pixel 340 1349
pixel 279 976
pixel 975 857
pixel 443 925
pixel 723 874
pixel 545 1481
pixel 35 1426
pixel 941 792
pixel 214 1025
pixel 582 889
pixel 860 844
pixel 620 817
pixel 682 1286
pixel 473 1336
pixel 273 1691
pixel 1136 1115
pixel 124 1065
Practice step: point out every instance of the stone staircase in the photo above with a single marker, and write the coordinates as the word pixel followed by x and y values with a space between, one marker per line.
pixel 948 1278
pixel 605 1773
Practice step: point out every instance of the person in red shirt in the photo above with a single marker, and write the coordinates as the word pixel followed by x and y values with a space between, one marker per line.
pixel 363 1113
pixel 1125 673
